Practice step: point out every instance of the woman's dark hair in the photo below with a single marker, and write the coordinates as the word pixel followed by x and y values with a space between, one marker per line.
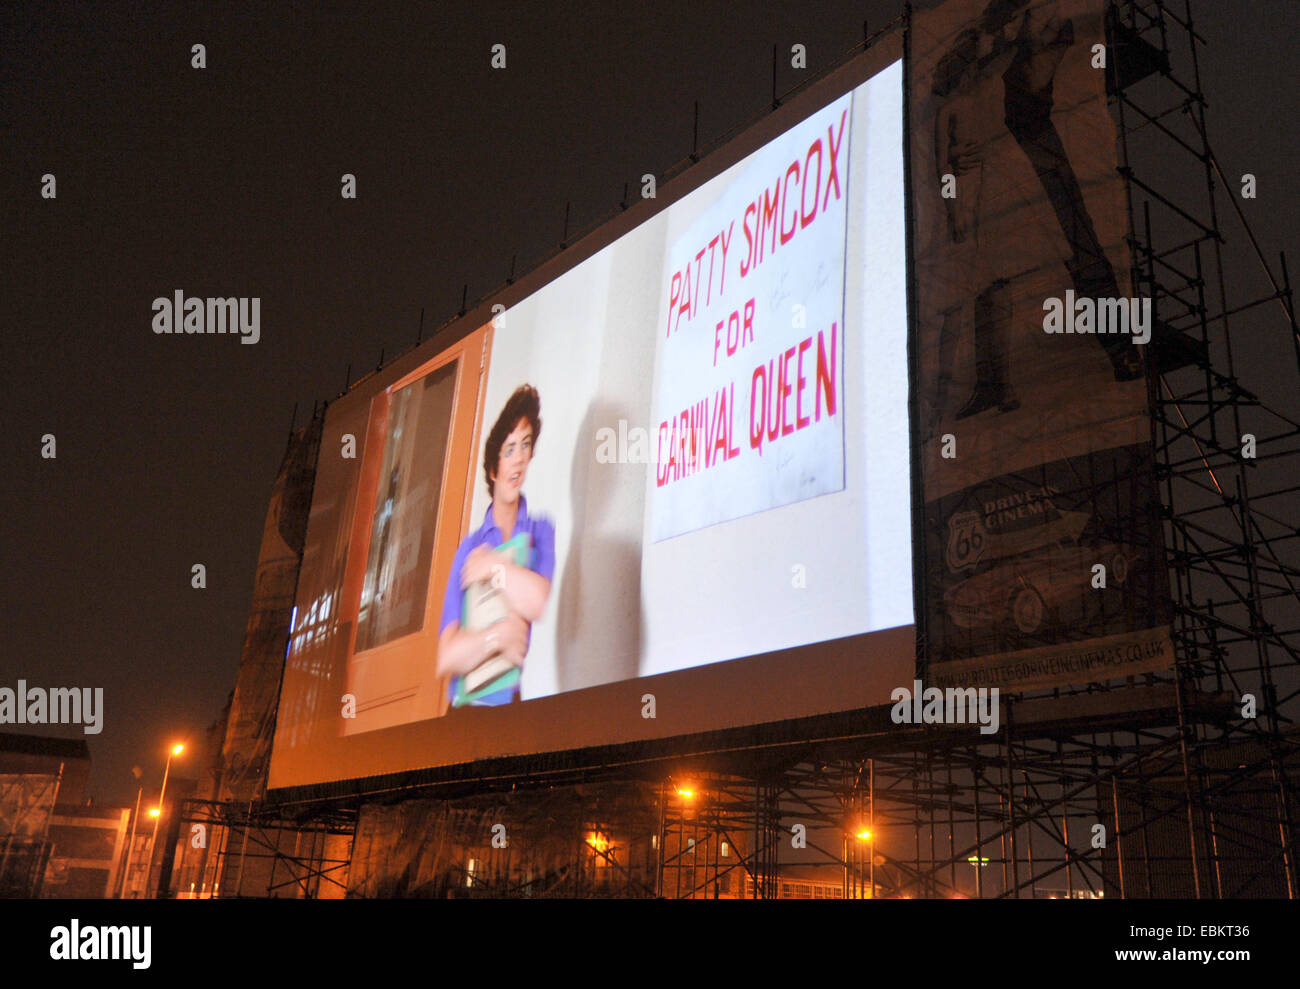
pixel 525 403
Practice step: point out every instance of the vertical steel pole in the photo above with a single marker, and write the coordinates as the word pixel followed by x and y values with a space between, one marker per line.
pixel 871 826
pixel 153 841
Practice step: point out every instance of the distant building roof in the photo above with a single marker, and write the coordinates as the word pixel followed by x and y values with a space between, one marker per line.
pixel 59 748
pixel 40 755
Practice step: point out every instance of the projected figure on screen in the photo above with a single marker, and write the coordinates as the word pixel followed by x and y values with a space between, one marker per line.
pixel 997 86
pixel 501 577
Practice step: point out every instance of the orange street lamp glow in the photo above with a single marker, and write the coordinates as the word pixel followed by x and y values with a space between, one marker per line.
pixel 864 835
pixel 685 794
pixel 156 813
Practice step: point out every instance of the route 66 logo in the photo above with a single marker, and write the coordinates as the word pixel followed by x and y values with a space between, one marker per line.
pixel 967 540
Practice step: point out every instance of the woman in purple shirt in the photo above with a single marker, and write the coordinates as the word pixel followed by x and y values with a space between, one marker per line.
pixel 506 456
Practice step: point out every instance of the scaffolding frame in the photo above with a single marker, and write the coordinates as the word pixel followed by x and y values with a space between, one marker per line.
pixel 253 850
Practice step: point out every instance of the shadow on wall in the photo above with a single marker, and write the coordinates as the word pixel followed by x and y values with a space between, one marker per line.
pixel 598 616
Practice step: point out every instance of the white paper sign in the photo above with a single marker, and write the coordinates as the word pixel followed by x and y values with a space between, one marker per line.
pixel 748 398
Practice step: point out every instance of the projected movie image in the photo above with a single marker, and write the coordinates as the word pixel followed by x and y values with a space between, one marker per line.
pixel 690 448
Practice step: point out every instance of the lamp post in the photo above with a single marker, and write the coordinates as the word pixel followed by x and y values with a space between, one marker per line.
pixel 685 793
pixel 865 837
pixel 130 845
pixel 157 812
pixel 871 793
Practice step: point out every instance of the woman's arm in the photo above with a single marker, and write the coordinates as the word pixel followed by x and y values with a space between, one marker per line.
pixel 525 591
pixel 459 651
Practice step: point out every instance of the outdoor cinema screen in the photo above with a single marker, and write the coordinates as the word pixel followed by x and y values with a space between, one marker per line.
pixel 664 488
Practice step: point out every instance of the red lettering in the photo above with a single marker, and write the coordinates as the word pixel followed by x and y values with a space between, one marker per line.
pixel 712 246
pixel 701 456
pixel 732 451
pixel 805 217
pixel 685 305
pixel 785 194
pixel 710 431
pixel 726 239
pixel 683 463
pixel 661 468
pixel 771 208
pixel 671 467
pixel 747 261
pixel 699 268
pixel 800 419
pixel 835 145
pixel 672 299
pixel 776 381
pixel 720 426
pixel 786 390
pixel 759 406
pixel 748 322
pixel 825 375
pixel 692 463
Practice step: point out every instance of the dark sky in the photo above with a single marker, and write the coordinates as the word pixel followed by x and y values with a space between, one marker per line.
pixel 225 181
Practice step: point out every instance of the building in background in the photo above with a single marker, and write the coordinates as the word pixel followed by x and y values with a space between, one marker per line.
pixel 39 778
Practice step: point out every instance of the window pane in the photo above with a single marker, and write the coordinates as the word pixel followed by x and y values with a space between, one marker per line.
pixel 396 584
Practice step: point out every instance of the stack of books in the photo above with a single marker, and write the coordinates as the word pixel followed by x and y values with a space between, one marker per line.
pixel 482 607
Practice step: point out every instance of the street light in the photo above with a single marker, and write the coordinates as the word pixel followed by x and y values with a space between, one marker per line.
pixel 130 845
pixel 156 813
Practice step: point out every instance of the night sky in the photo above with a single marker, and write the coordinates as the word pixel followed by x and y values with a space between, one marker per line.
pixel 225 181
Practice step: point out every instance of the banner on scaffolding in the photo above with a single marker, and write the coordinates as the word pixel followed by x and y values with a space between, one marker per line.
pixel 1044 562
